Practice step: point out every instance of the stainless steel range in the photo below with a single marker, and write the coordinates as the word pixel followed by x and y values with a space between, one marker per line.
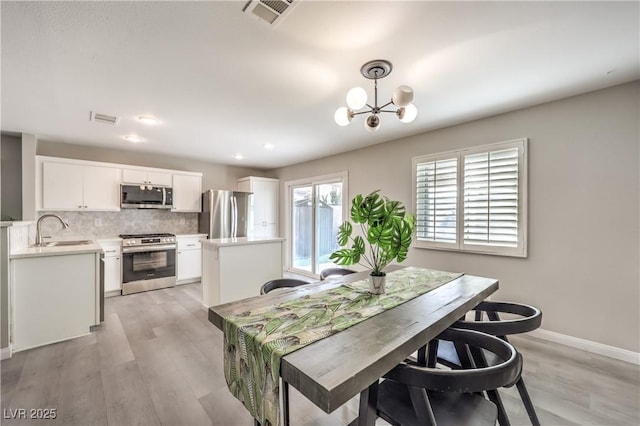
pixel 148 262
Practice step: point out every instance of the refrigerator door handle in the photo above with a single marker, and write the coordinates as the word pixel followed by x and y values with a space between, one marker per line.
pixel 234 217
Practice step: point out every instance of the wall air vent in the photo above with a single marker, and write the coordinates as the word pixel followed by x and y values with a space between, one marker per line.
pixel 270 11
pixel 103 118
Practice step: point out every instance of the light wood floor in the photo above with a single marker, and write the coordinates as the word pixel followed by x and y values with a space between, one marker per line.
pixel 156 360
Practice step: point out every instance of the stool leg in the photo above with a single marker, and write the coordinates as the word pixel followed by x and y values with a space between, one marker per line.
pixel 524 395
pixel 432 355
pixel 285 402
pixel 422 355
pixel 494 397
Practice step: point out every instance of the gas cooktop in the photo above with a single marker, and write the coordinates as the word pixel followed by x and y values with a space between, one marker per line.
pixel 129 236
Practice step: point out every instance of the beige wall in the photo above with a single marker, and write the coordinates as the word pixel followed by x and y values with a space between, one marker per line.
pixel 583 264
pixel 29 148
pixel 215 176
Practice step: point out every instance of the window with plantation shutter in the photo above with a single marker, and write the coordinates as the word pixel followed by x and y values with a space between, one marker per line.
pixel 436 199
pixel 473 200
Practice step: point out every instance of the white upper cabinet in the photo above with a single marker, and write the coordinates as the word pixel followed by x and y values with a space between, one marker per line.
pixel 187 193
pixel 102 187
pixel 146 177
pixel 68 186
pixel 264 205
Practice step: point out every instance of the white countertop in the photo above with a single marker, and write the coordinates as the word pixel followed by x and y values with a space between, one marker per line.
pixel 191 235
pixel 55 251
pixel 222 242
pixel 109 240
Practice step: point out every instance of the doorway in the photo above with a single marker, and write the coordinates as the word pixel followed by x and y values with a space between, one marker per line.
pixel 316 208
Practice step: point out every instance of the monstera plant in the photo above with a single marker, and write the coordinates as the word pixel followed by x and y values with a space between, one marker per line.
pixel 386 230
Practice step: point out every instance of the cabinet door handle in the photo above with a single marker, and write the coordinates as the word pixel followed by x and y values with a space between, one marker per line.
pixel 191 245
pixel 79 207
pixel 109 251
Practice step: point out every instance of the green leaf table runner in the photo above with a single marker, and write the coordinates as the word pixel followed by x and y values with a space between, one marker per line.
pixel 255 341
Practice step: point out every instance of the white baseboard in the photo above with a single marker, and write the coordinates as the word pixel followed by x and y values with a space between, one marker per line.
pixel 5 353
pixel 588 346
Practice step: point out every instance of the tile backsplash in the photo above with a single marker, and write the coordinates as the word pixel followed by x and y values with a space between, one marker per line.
pixel 96 225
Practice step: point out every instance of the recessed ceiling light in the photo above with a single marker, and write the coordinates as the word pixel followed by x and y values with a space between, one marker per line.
pixel 238 157
pixel 133 138
pixel 268 146
pixel 147 119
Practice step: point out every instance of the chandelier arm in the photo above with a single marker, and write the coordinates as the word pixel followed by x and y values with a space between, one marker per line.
pixel 395 111
pixel 386 105
pixel 362 112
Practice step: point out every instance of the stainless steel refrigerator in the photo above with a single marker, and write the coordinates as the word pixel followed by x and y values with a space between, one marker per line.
pixel 225 214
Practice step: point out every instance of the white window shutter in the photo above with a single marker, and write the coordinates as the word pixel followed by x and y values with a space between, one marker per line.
pixel 491 198
pixel 436 199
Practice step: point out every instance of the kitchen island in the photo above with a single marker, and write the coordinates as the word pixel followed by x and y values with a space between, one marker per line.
pixel 236 268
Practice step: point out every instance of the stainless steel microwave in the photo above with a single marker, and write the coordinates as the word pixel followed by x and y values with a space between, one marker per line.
pixel 146 197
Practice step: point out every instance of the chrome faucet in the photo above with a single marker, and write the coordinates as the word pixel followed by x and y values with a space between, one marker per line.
pixel 38 235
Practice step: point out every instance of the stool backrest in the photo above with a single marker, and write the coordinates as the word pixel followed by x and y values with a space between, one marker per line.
pixel 280 283
pixel 334 271
pixel 482 378
pixel 529 319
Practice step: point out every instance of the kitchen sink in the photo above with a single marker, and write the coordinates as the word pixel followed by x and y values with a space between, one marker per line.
pixel 65 243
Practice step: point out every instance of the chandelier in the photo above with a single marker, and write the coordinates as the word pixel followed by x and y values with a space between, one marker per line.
pixel 357 99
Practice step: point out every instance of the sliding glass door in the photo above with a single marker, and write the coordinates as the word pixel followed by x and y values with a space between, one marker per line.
pixel 316 212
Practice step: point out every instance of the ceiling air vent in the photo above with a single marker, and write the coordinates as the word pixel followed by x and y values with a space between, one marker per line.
pixel 270 11
pixel 103 118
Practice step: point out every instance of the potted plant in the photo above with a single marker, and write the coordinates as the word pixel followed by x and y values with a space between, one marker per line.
pixel 387 230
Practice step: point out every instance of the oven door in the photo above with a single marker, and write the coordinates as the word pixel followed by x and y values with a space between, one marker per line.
pixel 148 268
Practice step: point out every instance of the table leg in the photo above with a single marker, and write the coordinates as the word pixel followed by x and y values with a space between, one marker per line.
pixel 367 413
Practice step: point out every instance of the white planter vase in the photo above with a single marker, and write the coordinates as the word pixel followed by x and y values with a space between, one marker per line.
pixel 377 284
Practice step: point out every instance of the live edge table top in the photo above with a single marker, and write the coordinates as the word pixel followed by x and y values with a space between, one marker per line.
pixel 333 370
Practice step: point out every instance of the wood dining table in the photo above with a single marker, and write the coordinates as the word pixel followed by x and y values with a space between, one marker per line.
pixel 331 371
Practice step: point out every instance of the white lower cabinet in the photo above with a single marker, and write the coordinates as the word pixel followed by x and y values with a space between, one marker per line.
pixel 53 298
pixel 112 264
pixel 189 258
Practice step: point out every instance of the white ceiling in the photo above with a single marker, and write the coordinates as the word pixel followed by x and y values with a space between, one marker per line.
pixel 223 83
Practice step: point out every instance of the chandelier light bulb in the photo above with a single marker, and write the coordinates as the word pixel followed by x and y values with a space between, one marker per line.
pixel 356 98
pixel 343 116
pixel 372 123
pixel 402 96
pixel 408 113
